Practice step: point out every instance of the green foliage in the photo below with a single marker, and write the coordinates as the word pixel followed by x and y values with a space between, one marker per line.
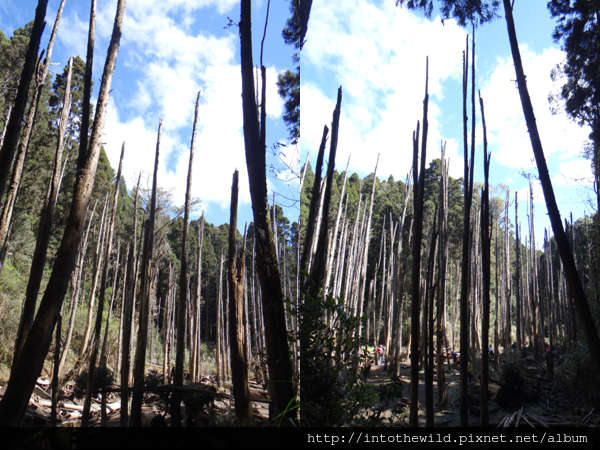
pixel 12 59
pixel 464 12
pixel 288 82
pixel 579 32
pixel 333 391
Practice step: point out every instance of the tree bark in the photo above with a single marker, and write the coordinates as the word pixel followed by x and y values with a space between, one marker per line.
pixel 98 325
pixel 280 369
pixel 13 130
pixel 140 351
pixel 21 384
pixel 585 316
pixel 239 364
pixel 465 269
pixel 183 288
pixel 485 265
pixel 127 312
pixel 419 187
pixel 23 145
pixel 45 229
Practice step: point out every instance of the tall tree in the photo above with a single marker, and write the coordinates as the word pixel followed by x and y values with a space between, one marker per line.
pixel 583 309
pixel 140 351
pixel 419 186
pixel 183 287
pixel 237 341
pixel 482 11
pixel 278 357
pixel 45 228
pixel 25 373
pixel 485 265
pixel 13 133
pixel 101 300
pixel 578 29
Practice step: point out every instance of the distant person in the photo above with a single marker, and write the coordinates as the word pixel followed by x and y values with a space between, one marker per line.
pixel 524 351
pixel 454 355
pixel 380 353
pixel 514 347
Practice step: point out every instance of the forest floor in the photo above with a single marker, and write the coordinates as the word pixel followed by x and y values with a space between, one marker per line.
pixel 203 405
pixel 536 399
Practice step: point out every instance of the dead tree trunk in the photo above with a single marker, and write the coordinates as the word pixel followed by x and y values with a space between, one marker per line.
pixel 237 337
pixel 183 288
pixel 312 214
pixel 518 272
pixel 219 314
pixel 581 303
pixel 140 351
pixel 98 326
pixel 45 228
pixel 485 265
pixel 97 264
pixel 127 312
pixel 465 269
pixel 278 357
pixel 75 286
pixel 443 263
pixel 318 273
pixel 195 354
pixel 13 130
pixel 20 387
pixel 419 187
pixel 11 198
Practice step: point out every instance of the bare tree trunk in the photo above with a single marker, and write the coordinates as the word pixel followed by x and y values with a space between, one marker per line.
pixel 218 349
pixel 103 356
pixel 127 312
pixel 55 371
pixel 75 286
pixel 280 369
pixel 312 214
pixel 13 129
pixel 580 301
pixel 361 280
pixel 97 264
pixel 20 386
pixel 419 187
pixel 485 265
pixel 183 288
pixel 443 262
pixel 98 326
pixel 428 325
pixel 507 291
pixel 518 272
pixel 318 273
pixel 239 364
pixel 140 352
pixel 45 228
pixel 464 281
pixel 195 353
pixel 8 111
pixel 23 145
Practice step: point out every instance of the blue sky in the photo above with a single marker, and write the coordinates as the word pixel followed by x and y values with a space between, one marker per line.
pixel 377 51
pixel 169 51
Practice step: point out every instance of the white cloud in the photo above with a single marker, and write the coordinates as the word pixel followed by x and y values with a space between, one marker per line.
pixel 507 132
pixel 574 172
pixel 370 51
pixel 172 64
